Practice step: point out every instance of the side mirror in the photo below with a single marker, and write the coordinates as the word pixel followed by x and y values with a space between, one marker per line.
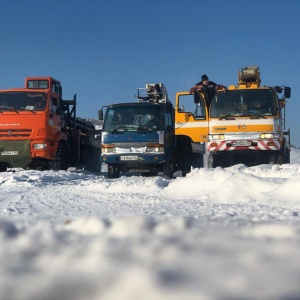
pixel 287 92
pixel 196 97
pixel 278 89
pixel 100 114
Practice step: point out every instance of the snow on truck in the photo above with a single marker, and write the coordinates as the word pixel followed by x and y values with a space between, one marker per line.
pixel 40 130
pixel 244 125
pixel 139 136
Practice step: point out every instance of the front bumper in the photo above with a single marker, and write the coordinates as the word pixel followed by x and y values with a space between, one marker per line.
pixel 133 158
pixel 244 145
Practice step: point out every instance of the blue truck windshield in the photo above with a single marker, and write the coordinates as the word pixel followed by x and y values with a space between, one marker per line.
pixel 133 118
pixel 259 102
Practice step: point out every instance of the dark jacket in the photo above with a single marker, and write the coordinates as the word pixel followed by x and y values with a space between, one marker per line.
pixel 208 90
pixel 211 86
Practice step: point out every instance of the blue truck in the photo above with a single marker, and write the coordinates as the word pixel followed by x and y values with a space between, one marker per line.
pixel 139 136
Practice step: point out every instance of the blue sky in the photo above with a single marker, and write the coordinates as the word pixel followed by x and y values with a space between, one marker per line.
pixel 104 50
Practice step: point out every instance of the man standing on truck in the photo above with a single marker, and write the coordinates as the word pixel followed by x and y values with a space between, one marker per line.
pixel 208 87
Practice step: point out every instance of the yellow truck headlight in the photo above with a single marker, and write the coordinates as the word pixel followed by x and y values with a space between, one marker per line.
pixel 269 136
pixel 213 137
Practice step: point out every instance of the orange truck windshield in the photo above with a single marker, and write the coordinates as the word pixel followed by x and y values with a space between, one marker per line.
pixel 18 101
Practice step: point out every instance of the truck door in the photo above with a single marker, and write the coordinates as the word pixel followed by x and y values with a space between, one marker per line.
pixel 169 128
pixel 54 116
pixel 191 119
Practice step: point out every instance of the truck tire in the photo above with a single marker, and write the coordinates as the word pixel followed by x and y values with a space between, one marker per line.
pixel 287 156
pixel 277 158
pixel 168 168
pixel 187 160
pixel 3 167
pixel 149 174
pixel 38 164
pixel 61 160
pixel 113 171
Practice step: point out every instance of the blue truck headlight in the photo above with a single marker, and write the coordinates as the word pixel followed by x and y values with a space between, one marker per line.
pixel 108 148
pixel 155 148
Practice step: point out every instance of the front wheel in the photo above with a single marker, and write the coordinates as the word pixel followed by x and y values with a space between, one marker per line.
pixel 61 160
pixel 3 167
pixel 277 158
pixel 113 171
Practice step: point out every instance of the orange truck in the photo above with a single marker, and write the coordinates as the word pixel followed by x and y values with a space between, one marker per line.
pixel 39 130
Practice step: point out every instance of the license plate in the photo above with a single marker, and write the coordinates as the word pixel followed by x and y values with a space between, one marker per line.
pixel 131 157
pixel 244 143
pixel 9 152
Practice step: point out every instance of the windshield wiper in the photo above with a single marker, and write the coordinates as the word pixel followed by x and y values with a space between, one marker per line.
pixel 13 109
pixel 228 117
pixel 144 130
pixel 255 116
pixel 116 130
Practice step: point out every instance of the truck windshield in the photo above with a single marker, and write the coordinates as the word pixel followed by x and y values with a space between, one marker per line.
pixel 133 118
pixel 260 103
pixel 18 101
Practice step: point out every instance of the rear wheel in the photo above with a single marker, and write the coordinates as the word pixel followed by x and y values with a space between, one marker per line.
pixel 113 171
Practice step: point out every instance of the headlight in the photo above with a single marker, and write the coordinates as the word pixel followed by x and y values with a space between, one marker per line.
pixel 269 136
pixel 155 148
pixel 39 146
pixel 216 137
pixel 107 148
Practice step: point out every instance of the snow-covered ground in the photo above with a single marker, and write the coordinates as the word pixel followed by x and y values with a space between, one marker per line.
pixel 229 233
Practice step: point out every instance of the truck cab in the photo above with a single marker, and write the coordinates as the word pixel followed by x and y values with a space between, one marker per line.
pixel 139 136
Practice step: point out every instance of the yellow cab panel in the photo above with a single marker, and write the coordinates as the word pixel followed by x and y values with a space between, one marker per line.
pixel 191 119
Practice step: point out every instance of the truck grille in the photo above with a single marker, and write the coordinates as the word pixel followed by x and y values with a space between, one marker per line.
pixel 15 133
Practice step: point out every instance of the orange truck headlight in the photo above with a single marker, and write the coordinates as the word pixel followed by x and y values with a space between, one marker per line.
pixel 39 146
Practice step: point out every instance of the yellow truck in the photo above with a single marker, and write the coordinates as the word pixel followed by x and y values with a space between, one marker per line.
pixel 245 124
